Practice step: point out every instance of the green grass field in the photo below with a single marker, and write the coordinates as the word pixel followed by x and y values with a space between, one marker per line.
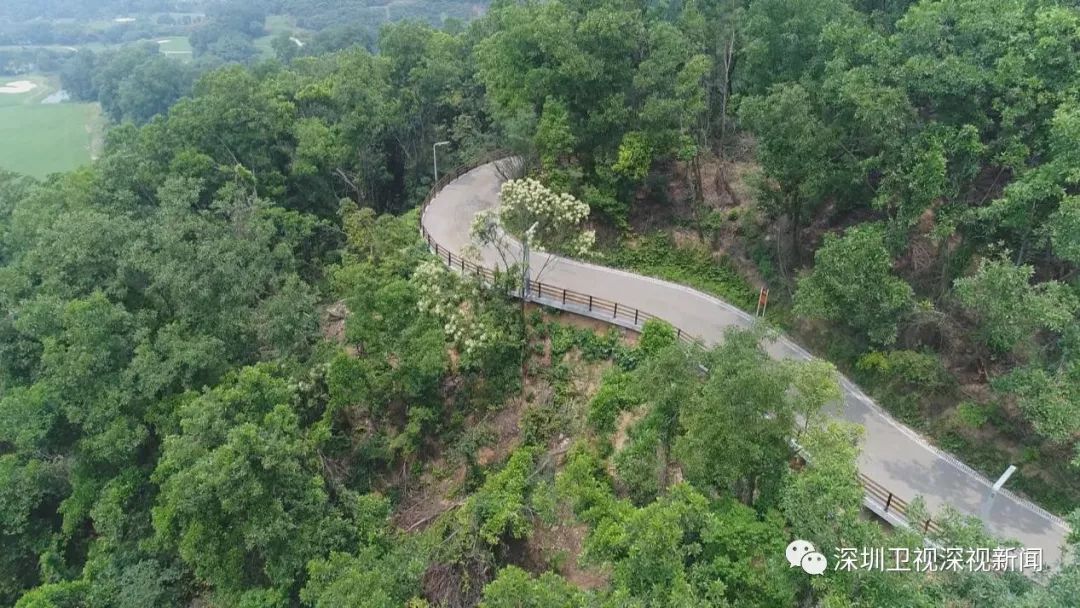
pixel 38 139
pixel 175 46
pixel 275 24
pixel 59 48
pixel 45 87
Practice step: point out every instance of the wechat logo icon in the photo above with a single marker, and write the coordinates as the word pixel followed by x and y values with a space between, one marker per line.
pixel 802 554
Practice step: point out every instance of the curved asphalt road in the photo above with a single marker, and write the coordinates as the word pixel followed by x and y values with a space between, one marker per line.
pixel 893 455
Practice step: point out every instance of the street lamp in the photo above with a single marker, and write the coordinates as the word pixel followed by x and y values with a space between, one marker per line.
pixel 526 273
pixel 435 157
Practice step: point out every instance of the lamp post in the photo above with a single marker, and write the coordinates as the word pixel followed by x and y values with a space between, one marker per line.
pixel 435 156
pixel 526 274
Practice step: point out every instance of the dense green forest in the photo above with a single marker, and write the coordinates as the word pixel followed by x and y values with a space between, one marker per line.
pixel 231 374
pixel 36 22
pixel 121 65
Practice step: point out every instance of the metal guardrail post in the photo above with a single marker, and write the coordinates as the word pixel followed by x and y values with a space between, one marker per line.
pixel 590 303
pixel 888 502
pixel 615 315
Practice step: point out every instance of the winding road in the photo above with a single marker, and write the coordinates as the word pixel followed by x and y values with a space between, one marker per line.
pixel 893 455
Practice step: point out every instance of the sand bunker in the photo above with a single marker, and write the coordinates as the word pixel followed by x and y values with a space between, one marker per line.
pixel 17 87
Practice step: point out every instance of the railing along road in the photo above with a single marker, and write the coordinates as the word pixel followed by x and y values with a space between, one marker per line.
pixel 877 497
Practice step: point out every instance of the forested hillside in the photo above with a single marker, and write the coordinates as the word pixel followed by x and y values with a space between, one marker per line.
pixel 232 374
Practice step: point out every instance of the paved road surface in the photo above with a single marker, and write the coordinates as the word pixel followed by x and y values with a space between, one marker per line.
pixel 893 455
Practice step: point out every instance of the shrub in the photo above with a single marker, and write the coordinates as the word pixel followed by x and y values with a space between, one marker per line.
pixel 906 369
pixel 540 423
pixel 658 256
pixel 638 464
pixel 656 335
pixel 593 346
pixel 903 379
pixel 617 393
pixel 970 415
pixel 563 338
pixel 597 347
pixel 1009 308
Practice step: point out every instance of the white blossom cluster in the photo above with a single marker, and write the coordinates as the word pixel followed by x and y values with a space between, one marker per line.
pixel 584 242
pixel 548 220
pixel 530 198
pixel 452 302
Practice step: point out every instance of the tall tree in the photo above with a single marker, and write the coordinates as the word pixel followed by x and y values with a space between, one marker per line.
pixel 1009 308
pixel 852 283
pixel 795 152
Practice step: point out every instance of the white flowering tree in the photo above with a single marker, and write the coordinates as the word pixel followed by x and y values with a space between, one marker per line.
pixel 449 301
pixel 475 324
pixel 533 218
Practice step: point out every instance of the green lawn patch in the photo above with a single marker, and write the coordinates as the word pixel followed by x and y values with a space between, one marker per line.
pixel 45 87
pixel 41 139
pixel 275 24
pixel 175 46
pixel 38 138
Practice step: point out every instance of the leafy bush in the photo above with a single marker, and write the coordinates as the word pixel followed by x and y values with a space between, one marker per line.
pixel 617 393
pixel 628 358
pixel 906 369
pixel 874 361
pixel 597 347
pixel 516 588
pixel 540 423
pixel 695 266
pixel 498 509
pixel 563 339
pixel 1009 308
pixel 545 502
pixel 593 346
pixel 638 463
pixel 903 379
pixel 607 204
pixel 970 415
pixel 656 335
pixel 1047 398
pixel 586 487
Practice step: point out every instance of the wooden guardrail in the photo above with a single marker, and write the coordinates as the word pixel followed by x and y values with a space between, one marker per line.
pixel 621 314
pixel 895 505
